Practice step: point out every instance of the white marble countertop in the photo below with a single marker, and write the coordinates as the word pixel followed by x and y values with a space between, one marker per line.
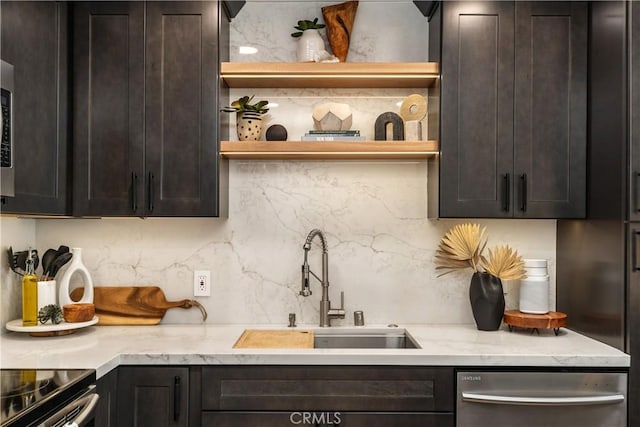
pixel 105 347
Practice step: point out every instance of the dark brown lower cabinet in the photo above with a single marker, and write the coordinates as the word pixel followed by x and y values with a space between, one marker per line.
pixel 106 411
pixel 327 395
pixel 153 396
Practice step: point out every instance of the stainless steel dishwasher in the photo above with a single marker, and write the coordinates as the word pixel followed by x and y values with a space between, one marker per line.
pixel 541 399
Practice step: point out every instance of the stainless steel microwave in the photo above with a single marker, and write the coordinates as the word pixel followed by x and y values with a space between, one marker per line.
pixel 7 99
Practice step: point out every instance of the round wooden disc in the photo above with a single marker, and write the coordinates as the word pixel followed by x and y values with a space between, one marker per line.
pixel 552 319
pixel 414 107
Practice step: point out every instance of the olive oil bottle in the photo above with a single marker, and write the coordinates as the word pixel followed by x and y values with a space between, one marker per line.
pixel 30 295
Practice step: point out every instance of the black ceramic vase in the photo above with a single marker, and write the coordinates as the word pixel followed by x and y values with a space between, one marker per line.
pixel 487 301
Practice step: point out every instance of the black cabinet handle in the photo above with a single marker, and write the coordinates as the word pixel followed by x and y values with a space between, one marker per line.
pixel 176 398
pixel 151 192
pixel 134 191
pixel 636 187
pixel 634 250
pixel 523 192
pixel 506 192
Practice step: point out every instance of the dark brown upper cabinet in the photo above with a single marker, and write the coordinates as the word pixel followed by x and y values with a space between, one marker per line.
pixel 146 109
pixel 34 40
pixel 513 110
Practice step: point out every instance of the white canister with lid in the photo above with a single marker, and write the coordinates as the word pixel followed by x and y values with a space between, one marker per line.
pixel 534 294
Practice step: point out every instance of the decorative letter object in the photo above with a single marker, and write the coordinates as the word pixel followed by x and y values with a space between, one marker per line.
pixel 332 116
pixel 381 127
pixel 339 19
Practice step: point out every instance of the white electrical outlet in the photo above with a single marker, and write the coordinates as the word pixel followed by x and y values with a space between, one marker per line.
pixel 201 283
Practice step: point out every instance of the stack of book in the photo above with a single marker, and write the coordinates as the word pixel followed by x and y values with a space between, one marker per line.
pixel 332 135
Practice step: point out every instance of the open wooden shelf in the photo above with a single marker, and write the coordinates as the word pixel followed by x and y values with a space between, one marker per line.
pixel 301 150
pixel 329 75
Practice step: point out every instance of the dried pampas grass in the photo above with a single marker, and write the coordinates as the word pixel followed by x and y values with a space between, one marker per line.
pixel 462 247
pixel 504 263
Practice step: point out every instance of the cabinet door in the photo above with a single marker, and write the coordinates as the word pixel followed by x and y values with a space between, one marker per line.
pixel 106 411
pixel 476 136
pixel 634 113
pixel 551 109
pixel 108 108
pixel 34 41
pixel 153 396
pixel 181 107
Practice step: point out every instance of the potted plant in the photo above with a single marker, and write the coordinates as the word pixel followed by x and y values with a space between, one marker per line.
pixel 310 43
pixel 248 117
pixel 462 247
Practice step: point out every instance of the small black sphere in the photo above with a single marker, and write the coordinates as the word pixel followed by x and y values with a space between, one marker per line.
pixel 276 133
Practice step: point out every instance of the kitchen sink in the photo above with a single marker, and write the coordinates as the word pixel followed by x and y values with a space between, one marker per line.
pixel 336 338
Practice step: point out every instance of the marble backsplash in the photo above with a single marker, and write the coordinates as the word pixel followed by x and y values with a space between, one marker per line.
pixel 381 246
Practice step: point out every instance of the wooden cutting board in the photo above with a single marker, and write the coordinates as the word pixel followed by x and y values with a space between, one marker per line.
pixel 133 305
pixel 263 338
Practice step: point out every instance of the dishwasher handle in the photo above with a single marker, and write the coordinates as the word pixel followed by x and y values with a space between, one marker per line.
pixel 542 401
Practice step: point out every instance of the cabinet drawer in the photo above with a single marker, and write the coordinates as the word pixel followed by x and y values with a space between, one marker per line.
pixel 324 388
pixel 344 419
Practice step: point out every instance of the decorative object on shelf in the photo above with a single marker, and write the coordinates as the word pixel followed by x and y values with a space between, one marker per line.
pixel 310 45
pixel 276 133
pixel 413 107
pixel 413 130
pixel 248 117
pixel 332 116
pixel 339 19
pixel 382 123
pixel 462 247
pixel 76 267
pixel 332 135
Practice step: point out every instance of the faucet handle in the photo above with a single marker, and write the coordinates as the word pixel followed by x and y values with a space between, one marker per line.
pixel 341 300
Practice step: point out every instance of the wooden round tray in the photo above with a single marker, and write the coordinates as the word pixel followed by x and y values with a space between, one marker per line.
pixel 552 320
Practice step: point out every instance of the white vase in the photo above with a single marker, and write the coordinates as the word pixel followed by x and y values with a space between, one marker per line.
pixel 76 267
pixel 309 45
pixel 248 126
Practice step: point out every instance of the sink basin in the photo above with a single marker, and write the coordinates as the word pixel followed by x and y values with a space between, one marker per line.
pixel 397 338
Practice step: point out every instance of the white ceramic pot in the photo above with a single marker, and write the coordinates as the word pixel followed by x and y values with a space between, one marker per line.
pixel 310 44
pixel 248 126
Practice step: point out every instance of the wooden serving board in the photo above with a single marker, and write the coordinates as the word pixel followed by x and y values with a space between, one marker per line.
pixel 263 338
pixel 133 305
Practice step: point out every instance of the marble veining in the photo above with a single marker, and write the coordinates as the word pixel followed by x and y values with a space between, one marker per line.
pixel 104 348
pixel 383 31
pixel 381 246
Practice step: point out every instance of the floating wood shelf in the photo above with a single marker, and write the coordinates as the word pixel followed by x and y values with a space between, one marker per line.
pixel 328 150
pixel 329 75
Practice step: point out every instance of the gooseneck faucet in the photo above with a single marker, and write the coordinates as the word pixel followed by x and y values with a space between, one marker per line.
pixel 326 312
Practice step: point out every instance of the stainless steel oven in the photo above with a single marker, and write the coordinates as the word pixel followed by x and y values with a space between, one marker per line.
pixel 42 398
pixel 7 99
pixel 541 399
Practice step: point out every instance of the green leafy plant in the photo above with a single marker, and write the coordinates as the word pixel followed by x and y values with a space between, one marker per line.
pixel 306 25
pixel 244 104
